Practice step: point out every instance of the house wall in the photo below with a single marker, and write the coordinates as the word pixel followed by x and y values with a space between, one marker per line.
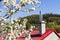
pixel 52 36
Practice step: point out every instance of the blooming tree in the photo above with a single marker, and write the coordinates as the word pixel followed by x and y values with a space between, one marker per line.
pixel 13 7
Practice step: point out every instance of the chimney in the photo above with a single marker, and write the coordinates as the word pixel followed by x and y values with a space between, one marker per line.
pixel 42 24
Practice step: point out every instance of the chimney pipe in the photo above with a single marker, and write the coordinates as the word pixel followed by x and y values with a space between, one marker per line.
pixel 42 24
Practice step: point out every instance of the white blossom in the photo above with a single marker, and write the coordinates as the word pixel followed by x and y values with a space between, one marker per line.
pixel 36 2
pixel 33 8
pixel 13 10
pixel 29 1
pixel 5 0
pixel 17 6
pixel 1 19
pixel 12 22
pixel 27 10
pixel 13 2
pixel 2 24
pixel 5 4
pixel 8 12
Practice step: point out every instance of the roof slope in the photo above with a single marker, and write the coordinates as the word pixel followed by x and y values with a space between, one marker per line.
pixel 48 32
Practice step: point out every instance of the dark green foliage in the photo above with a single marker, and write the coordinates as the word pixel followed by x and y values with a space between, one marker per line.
pixel 33 19
pixel 51 17
pixel 58 22
pixel 57 29
pixel 28 25
pixel 51 21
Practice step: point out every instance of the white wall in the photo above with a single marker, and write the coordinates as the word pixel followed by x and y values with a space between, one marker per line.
pixel 52 36
pixel 42 27
pixel 43 30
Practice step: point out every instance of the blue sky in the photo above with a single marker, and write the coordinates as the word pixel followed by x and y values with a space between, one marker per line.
pixel 47 6
pixel 50 6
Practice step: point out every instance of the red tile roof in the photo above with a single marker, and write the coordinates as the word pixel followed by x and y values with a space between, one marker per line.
pixel 46 34
pixel 0 38
pixel 58 34
pixel 36 36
